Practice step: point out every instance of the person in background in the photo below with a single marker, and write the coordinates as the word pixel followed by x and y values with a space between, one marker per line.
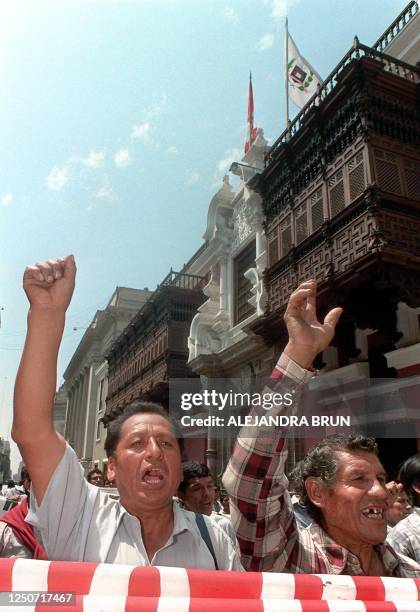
pixel 405 536
pixel 17 537
pixel 400 507
pixel 224 499
pixel 96 477
pixel 12 495
pixel 217 504
pixel 197 491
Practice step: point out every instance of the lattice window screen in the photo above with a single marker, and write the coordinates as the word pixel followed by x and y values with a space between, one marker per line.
pixel 336 188
pixel 317 209
pixel 356 174
pixel 286 238
pixel 301 223
pixel 412 178
pixel 387 171
pixel 273 246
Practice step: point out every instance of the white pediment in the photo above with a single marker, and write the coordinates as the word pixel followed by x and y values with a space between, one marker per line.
pixel 220 210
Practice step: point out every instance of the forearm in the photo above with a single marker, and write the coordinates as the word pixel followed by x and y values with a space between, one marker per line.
pixel 37 375
pixel 262 513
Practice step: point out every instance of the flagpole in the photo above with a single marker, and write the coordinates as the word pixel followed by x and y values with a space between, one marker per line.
pixel 286 72
pixel 251 126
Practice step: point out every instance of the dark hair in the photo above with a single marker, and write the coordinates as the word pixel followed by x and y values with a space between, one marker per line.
pixel 92 472
pixel 10 484
pixel 138 407
pixel 24 474
pixel 409 475
pixel 321 462
pixel 294 477
pixel 192 469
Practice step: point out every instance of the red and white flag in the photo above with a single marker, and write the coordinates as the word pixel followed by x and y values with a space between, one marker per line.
pixel 252 131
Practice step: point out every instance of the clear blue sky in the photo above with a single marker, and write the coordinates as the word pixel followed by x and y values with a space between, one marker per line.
pixel 118 120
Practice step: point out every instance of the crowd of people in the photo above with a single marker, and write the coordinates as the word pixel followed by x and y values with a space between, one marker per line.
pixel 338 514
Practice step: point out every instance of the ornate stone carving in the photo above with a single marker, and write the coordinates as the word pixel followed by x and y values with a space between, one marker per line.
pixel 259 294
pixel 242 224
pixel 202 338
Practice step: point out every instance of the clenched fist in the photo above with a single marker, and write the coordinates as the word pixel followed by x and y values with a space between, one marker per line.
pixel 50 284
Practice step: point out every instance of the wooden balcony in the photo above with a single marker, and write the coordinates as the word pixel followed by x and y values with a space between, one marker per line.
pixel 153 348
pixel 341 193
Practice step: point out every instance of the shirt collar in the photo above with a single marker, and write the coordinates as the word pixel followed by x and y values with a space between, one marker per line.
pixel 339 557
pixel 183 519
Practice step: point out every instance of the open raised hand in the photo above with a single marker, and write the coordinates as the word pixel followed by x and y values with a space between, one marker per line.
pixel 307 335
pixel 50 284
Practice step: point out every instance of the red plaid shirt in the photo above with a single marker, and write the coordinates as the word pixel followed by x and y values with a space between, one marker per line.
pixel 262 511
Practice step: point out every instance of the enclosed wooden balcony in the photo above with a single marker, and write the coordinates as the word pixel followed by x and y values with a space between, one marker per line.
pixel 341 188
pixel 153 347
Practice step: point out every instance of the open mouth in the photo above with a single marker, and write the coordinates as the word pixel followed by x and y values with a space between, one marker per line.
pixel 373 513
pixel 153 476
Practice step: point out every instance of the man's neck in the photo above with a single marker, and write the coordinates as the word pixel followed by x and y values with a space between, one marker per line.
pixel 368 558
pixel 156 527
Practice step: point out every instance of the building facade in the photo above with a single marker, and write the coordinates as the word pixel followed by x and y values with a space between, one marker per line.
pixel 86 375
pixel 234 260
pixel 335 198
pixel 153 348
pixel 340 192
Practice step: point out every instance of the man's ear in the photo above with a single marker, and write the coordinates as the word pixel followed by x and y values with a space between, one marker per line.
pixel 316 491
pixel 110 472
pixel 416 487
pixel 180 495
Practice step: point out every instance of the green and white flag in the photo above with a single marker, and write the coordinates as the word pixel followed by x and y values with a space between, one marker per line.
pixel 302 79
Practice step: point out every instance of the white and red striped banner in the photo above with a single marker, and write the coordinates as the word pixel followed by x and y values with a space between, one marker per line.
pixel 126 588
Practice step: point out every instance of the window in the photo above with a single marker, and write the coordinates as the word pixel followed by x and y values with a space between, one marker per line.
pixel 317 209
pixel 98 430
pixel 285 236
pixel 242 286
pixel 301 223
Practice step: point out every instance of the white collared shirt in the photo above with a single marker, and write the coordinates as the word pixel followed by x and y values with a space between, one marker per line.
pixel 79 522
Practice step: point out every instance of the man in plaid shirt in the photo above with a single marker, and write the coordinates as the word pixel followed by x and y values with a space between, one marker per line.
pixel 343 481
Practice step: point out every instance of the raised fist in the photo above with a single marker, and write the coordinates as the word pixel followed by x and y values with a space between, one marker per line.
pixel 50 284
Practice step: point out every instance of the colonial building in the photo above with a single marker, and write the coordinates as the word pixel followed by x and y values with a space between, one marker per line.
pixel 153 347
pixel 336 198
pixel 86 375
pixel 234 259
pixel 340 192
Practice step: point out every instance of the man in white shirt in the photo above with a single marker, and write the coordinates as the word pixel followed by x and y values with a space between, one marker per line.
pixel 77 521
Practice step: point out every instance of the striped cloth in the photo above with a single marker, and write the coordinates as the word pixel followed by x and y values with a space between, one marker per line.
pixel 127 588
